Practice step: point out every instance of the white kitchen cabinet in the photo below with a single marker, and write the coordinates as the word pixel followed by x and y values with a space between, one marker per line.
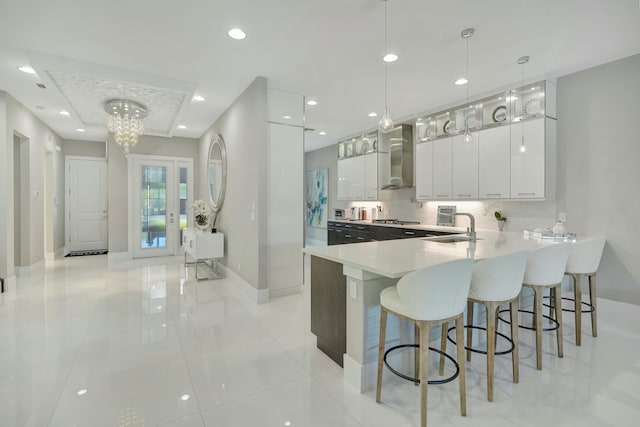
pixel 357 178
pixel 442 168
pixel 370 176
pixel 465 167
pixel 424 171
pixel 528 159
pixel 342 179
pixel 494 163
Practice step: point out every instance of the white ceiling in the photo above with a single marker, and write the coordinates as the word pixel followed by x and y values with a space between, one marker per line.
pixel 328 50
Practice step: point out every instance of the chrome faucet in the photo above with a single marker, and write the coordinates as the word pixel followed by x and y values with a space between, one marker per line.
pixel 471 231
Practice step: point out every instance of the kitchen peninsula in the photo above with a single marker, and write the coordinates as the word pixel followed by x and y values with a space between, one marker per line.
pixel 369 267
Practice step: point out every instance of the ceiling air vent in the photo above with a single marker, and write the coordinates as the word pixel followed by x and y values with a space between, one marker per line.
pixel 41 85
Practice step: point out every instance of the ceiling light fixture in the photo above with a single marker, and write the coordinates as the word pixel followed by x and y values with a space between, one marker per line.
pixel 373 114
pixel 181 127
pixel 468 137
pixel 65 113
pixel 237 34
pixel 312 102
pixel 198 98
pixel 522 61
pixel 26 69
pixel 322 133
pixel 80 130
pixel 125 121
pixel 386 123
pixel 287 117
pixel 461 81
pixel 390 57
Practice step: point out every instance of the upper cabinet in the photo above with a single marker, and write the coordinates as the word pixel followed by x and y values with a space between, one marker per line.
pixel 359 168
pixel 497 163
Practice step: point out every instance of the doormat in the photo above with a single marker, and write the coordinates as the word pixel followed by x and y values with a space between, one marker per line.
pixel 83 253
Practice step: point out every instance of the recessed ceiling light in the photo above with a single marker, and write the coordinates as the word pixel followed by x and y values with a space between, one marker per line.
pixel 286 117
pixel 81 392
pixel 39 107
pixel 80 130
pixel 27 69
pixel 373 114
pixel 322 133
pixel 181 127
pixel 185 397
pixel 461 81
pixel 390 57
pixel 237 34
pixel 199 98
pixel 312 102
pixel 65 113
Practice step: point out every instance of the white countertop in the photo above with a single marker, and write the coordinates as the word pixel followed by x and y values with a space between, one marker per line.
pixel 395 258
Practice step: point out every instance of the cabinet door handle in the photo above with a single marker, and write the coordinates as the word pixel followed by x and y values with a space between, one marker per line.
pixel 526 194
pixel 424 196
pixel 360 228
pixel 410 233
pixel 347 235
pixel 442 195
pixel 464 195
pixel 494 194
pixel 360 238
pixel 191 244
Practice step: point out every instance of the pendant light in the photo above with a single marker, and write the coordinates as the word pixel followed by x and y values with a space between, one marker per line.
pixel 385 125
pixel 522 61
pixel 466 35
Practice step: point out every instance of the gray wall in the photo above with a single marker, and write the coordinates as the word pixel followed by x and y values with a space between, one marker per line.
pixel 598 173
pixel 324 158
pixel 72 147
pixel 15 119
pixel 244 128
pixel 118 184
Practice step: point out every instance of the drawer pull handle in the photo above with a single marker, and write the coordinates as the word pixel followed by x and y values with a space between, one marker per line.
pixel 464 195
pixel 526 194
pixel 360 228
pixel 494 194
pixel 360 238
pixel 347 235
pixel 410 233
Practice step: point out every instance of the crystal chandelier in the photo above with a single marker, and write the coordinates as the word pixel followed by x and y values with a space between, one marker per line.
pixel 125 121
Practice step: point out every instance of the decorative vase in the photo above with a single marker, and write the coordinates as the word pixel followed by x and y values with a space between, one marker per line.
pixel 501 223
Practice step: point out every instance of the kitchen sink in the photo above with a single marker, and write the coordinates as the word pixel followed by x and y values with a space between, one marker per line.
pixel 449 238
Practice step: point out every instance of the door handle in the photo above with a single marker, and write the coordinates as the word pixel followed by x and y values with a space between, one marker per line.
pixel 104 214
pixel 171 218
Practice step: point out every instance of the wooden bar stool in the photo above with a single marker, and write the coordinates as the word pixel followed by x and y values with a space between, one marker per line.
pixel 584 260
pixel 545 269
pixel 428 297
pixel 496 281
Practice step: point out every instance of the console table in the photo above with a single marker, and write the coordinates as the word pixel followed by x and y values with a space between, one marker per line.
pixel 202 246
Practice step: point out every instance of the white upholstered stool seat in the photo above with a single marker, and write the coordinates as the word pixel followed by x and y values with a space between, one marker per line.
pixel 428 297
pixel 584 260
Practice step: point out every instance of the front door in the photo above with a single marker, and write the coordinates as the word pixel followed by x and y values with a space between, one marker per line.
pixel 87 204
pixel 162 188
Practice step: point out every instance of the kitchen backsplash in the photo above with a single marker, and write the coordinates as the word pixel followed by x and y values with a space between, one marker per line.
pixel 520 214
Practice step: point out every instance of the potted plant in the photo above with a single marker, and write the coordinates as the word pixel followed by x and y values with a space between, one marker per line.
pixel 501 220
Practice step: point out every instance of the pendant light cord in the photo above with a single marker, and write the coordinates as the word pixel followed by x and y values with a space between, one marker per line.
pixel 385 52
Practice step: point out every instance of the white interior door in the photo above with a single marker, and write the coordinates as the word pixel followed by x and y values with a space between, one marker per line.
pixel 161 193
pixel 87 204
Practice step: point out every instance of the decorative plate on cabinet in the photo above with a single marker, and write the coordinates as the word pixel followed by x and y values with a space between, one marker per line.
pixel 446 127
pixel 499 114
pixel 532 106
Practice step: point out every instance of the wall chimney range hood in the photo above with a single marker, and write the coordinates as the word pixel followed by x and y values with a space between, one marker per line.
pixel 398 146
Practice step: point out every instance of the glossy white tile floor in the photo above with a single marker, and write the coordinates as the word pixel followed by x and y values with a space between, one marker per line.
pixel 87 343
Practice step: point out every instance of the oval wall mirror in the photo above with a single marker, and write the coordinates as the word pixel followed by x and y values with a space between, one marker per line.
pixel 217 173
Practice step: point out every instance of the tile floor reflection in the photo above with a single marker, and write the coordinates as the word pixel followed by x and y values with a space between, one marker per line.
pixel 84 342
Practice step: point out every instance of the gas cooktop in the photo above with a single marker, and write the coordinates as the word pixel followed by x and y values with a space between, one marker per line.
pixel 394 221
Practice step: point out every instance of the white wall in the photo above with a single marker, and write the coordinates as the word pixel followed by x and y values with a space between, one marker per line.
pixel 72 147
pixel 598 172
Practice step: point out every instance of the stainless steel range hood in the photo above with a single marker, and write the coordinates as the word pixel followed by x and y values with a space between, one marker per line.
pixel 398 145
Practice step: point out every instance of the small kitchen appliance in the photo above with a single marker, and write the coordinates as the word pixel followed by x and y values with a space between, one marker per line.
pixel 338 214
pixel 354 213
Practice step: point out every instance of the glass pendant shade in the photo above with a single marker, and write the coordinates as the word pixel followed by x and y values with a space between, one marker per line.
pixel 468 137
pixel 386 124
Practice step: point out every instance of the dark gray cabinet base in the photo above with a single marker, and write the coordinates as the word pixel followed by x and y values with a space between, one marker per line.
pixel 329 307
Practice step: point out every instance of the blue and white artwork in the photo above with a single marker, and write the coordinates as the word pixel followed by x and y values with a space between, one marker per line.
pixel 317 198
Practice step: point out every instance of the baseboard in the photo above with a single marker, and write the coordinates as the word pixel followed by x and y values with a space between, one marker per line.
pixel 10 283
pixel 118 256
pixel 28 269
pixel 260 296
pixel 283 292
